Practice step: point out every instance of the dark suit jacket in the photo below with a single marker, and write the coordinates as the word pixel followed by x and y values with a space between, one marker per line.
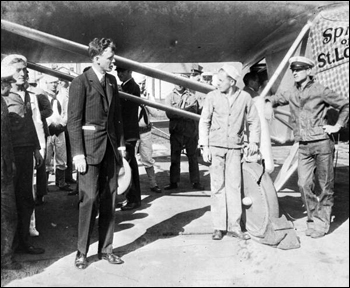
pixel 86 108
pixel 130 110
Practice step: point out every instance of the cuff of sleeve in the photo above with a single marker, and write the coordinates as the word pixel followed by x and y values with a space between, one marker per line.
pixel 78 157
pixel 122 148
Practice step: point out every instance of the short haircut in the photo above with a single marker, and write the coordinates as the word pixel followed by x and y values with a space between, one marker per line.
pixel 97 46
pixel 250 76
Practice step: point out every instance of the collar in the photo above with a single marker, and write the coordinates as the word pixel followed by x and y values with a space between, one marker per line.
pixel 126 81
pixel 308 84
pixel 98 73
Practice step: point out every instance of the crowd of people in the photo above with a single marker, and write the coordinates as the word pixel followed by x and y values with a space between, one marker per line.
pixel 89 125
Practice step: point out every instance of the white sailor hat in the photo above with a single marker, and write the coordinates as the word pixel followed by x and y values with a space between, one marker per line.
pixel 231 71
pixel 50 79
pixel 8 60
pixel 7 72
pixel 301 62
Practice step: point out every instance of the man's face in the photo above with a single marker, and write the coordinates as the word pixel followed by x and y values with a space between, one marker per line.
pixel 52 86
pixel 224 82
pixel 255 84
pixel 300 74
pixel 195 76
pixel 105 60
pixel 122 75
pixel 21 75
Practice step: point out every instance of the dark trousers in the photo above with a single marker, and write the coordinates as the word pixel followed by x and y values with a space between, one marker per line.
pixel 316 164
pixel 177 143
pixel 8 220
pixel 41 178
pixel 134 193
pixel 24 196
pixel 97 192
pixel 69 171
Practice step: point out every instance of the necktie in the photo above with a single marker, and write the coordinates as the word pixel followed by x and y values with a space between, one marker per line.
pixel 103 82
pixel 59 108
pixel 143 113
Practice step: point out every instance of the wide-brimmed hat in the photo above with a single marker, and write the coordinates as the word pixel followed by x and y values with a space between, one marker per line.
pixel 124 179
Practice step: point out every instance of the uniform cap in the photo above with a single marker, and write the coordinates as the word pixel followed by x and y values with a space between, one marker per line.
pixel 301 62
pixel 197 68
pixel 231 71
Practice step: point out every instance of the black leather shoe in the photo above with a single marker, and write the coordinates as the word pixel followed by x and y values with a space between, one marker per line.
pixel 197 186
pixel 130 206
pixel 66 188
pixel 238 234
pixel 171 186
pixel 30 250
pixel 156 189
pixel 71 181
pixel 72 193
pixel 111 258
pixel 217 235
pixel 80 261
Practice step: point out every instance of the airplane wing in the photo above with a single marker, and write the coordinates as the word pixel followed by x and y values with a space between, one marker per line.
pixel 157 31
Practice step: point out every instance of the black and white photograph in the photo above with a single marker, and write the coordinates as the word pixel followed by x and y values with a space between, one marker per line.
pixel 174 143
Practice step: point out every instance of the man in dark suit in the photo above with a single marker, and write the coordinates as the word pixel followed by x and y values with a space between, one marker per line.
pixel 130 112
pixel 96 133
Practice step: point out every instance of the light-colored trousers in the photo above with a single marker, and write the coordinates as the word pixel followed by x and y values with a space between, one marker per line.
pixel 144 146
pixel 56 147
pixel 226 179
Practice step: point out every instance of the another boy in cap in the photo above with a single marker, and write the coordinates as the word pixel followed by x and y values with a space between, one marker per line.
pixel 25 145
pixel 221 131
pixel 309 102
pixel 8 200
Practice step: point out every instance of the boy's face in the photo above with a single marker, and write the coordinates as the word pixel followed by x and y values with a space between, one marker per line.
pixel 21 75
pixel 225 82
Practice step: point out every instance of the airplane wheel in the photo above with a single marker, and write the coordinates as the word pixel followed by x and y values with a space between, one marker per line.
pixel 259 202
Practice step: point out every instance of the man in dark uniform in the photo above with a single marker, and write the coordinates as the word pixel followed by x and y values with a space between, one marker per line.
pixel 8 200
pixel 309 102
pixel 183 134
pixel 131 134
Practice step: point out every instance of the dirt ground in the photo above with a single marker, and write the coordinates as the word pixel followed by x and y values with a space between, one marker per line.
pixel 57 221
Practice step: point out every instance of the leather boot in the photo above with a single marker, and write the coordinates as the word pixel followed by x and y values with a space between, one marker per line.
pixel 60 178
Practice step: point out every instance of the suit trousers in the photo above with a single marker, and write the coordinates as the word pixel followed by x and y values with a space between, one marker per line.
pixel 97 193
pixel 226 183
